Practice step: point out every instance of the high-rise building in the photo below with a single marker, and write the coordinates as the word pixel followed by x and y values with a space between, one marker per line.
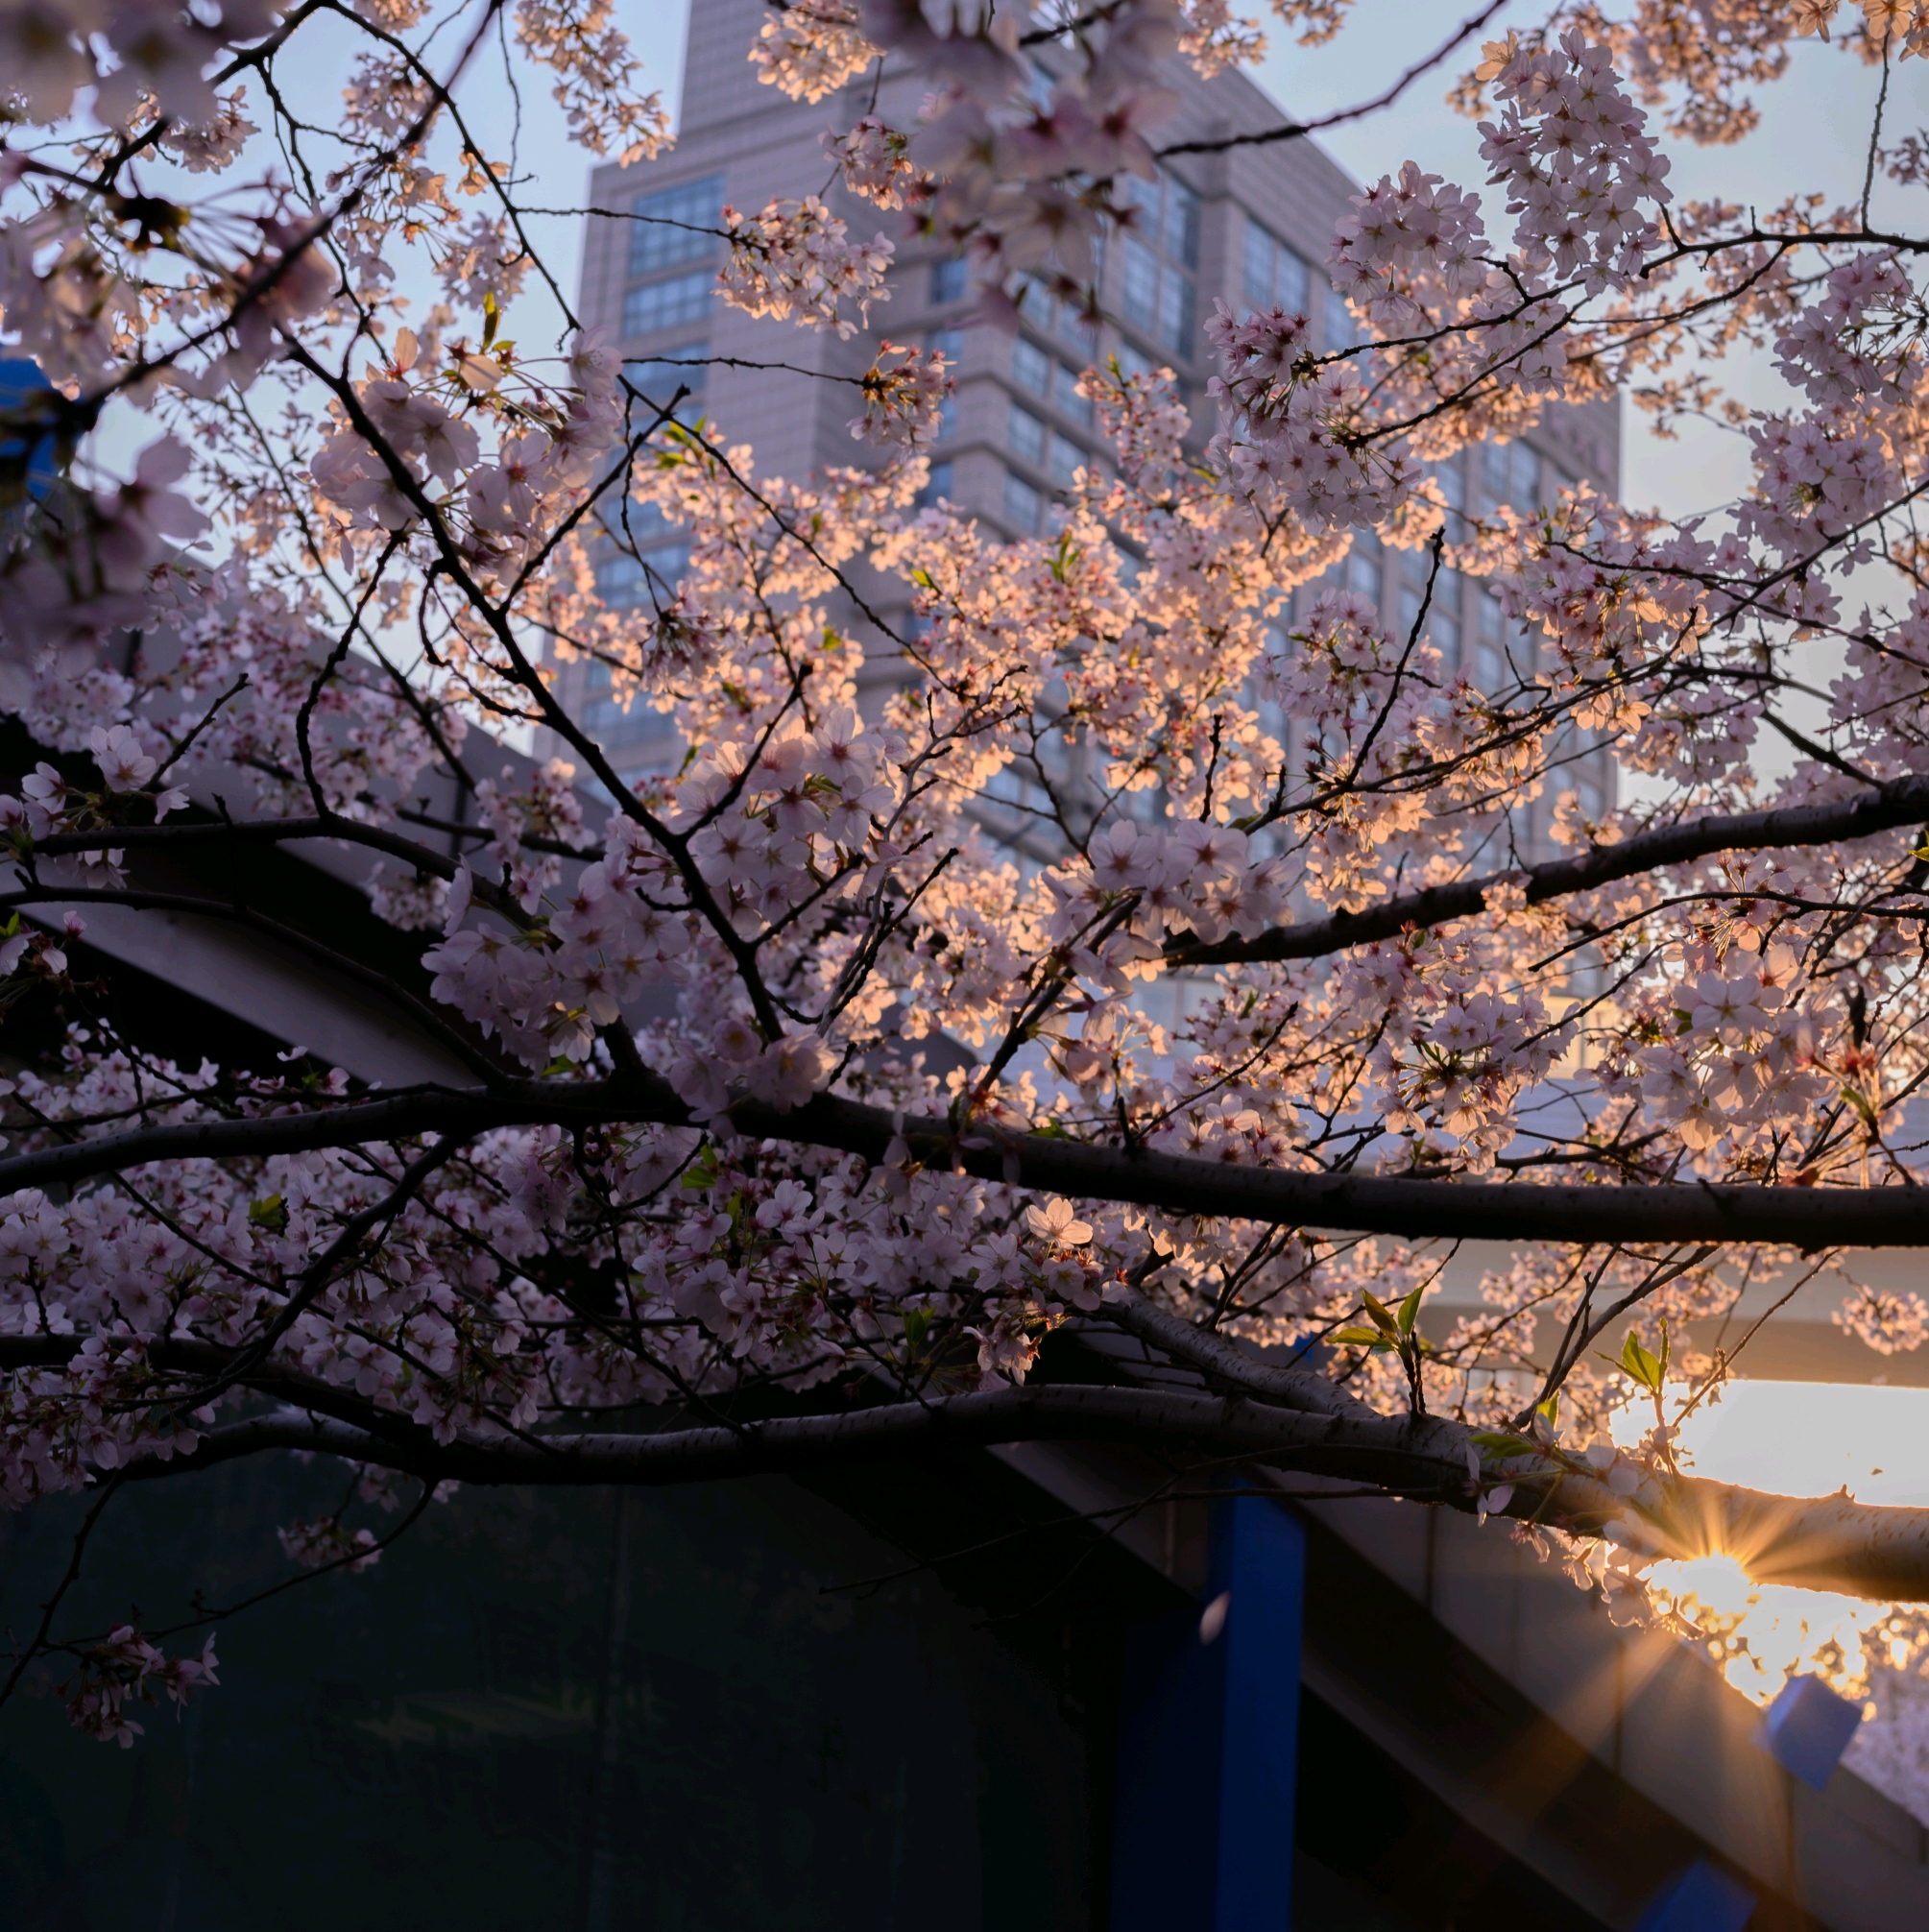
pixel 1247 224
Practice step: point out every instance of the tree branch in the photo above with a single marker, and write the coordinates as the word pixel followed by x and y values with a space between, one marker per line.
pixel 1883 809
pixel 1515 1209
pixel 1830 1542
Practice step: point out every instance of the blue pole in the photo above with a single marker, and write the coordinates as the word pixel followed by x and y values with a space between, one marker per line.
pixel 37 464
pixel 1202 1827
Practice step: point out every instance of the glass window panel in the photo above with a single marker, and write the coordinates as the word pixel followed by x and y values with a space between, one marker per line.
pixel 1494 472
pixel 1290 281
pixel 1141 286
pixel 1363 573
pixel 948 280
pixel 937 484
pixel 1259 252
pixel 1021 504
pixel 654 572
pixel 1132 361
pixel 1453 481
pixel 947 343
pixel 1076 329
pixel 1524 480
pixel 1444 629
pixel 1030 367
pixel 657 243
pixel 1342 330
pixel 1489 622
pixel 1066 457
pixel 668 304
pixel 661 377
pixel 1025 434
pixel 1180 229
pixel 1065 393
pixel 1176 312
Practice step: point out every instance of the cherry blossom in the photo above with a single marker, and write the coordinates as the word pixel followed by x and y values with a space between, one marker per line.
pixel 1123 931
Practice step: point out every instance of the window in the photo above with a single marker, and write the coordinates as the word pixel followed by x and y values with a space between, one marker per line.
pixel 1030 367
pixel 1275 278
pixel 1133 361
pixel 1525 478
pixel 661 561
pixel 948 280
pixel 661 377
pixel 675 225
pixel 1593 794
pixel 1443 617
pixel 1168 216
pixel 1025 434
pixel 947 343
pixel 1342 330
pixel 668 304
pixel 1066 457
pixel 625 730
pixel 1490 662
pixel 1142 283
pixel 1050 316
pixel 1023 504
pixel 938 484
pixel 1363 573
pixel 1162 244
pixel 1494 472
pixel 1157 298
pixel 1065 393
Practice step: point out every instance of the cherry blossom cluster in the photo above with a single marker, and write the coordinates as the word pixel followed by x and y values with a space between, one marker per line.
pixel 874 159
pixel 595 72
pixel 124 1668
pixel 904 393
pixel 810 48
pixel 1297 435
pixel 1572 151
pixel 795 262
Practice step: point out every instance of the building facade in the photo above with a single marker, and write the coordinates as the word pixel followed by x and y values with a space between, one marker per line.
pixel 1247 225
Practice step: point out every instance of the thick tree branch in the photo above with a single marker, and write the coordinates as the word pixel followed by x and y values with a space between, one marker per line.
pixel 1665 1212
pixel 1904 803
pixel 1830 1542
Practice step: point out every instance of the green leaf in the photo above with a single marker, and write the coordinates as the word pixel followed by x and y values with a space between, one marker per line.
pixel 1409 1309
pixel 1497 1442
pixel 1638 1365
pixel 1359 1338
pixel 271 1213
pixel 491 316
pixel 917 1325
pixel 1383 1317
pixel 1550 1411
